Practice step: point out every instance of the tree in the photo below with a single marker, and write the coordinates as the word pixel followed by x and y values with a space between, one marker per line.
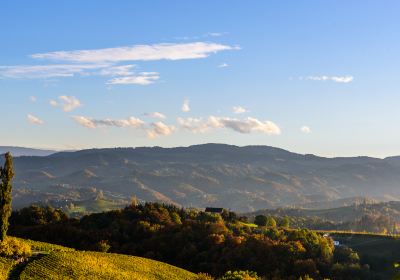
pixel 261 220
pixel 285 222
pixel 6 175
pixel 271 222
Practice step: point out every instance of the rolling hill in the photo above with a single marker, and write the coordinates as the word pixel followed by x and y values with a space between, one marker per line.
pixel 339 214
pixel 240 178
pixel 57 262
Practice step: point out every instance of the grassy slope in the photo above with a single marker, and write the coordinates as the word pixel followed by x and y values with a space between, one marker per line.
pixel 58 262
pixel 94 265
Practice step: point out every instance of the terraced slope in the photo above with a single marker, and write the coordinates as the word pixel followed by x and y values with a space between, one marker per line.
pixel 94 265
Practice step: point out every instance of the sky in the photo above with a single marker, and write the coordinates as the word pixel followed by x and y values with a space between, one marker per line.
pixel 318 77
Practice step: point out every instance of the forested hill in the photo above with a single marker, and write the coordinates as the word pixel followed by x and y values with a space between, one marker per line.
pixel 240 178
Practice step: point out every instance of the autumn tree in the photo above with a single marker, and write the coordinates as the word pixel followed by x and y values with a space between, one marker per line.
pixel 6 175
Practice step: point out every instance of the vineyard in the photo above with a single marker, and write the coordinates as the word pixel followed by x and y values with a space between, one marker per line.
pixel 52 261
pixel 94 265
pixel 5 267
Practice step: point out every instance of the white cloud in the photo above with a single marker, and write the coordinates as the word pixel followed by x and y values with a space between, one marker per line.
pixel 94 123
pixel 156 115
pixel 159 129
pixel 120 70
pixel 47 71
pixel 185 106
pixel 165 51
pixel 143 78
pixel 247 125
pixel 305 129
pixel 153 130
pixel 67 103
pixel 223 65
pixel 33 98
pixel 34 120
pixel 238 110
pixel 337 79
pixel 104 62
pixel 198 125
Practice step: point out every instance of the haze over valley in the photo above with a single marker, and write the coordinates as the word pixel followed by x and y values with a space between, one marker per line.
pixel 239 178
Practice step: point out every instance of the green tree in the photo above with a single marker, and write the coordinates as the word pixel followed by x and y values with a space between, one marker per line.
pixel 271 222
pixel 285 222
pixel 261 220
pixel 6 175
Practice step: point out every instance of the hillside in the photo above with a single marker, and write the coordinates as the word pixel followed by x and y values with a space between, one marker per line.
pixel 368 216
pixel 240 178
pixel 340 214
pixel 57 262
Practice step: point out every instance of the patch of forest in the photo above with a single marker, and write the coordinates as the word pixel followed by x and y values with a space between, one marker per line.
pixel 196 241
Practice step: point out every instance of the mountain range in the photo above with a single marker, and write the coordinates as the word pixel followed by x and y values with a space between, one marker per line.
pixel 239 178
pixel 21 151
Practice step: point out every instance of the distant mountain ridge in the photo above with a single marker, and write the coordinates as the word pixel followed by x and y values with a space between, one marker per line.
pixel 21 151
pixel 240 178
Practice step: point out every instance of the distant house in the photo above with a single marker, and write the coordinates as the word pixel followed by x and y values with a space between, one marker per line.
pixel 214 210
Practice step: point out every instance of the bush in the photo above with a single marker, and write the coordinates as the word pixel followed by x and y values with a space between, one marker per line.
pixel 204 276
pixel 102 246
pixel 240 275
pixel 13 248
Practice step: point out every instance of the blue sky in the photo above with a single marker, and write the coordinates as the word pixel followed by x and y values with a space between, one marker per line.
pixel 309 76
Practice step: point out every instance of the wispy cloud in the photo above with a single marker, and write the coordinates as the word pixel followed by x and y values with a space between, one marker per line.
pixel 34 120
pixel 120 70
pixel 67 103
pixel 185 106
pixel 337 79
pixel 305 129
pixel 156 115
pixel 223 65
pixel 106 62
pixel 143 78
pixel 245 126
pixel 215 34
pixel 33 98
pixel 159 129
pixel 95 123
pixel 47 71
pixel 165 51
pixel 238 110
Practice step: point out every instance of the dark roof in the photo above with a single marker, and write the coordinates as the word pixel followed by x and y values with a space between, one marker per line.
pixel 214 210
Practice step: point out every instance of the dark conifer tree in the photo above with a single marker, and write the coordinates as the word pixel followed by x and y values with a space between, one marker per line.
pixel 6 175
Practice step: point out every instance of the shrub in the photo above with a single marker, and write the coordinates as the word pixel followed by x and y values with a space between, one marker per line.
pixel 240 275
pixel 204 276
pixel 12 247
pixel 103 246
